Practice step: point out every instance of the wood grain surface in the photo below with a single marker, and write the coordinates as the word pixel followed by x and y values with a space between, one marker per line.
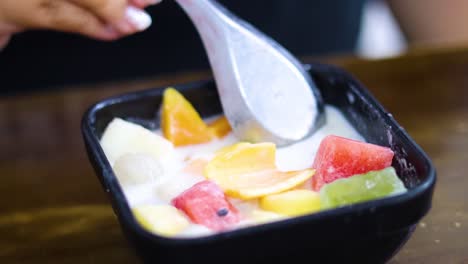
pixel 53 210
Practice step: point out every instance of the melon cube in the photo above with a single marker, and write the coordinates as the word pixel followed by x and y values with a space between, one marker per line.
pixel 360 188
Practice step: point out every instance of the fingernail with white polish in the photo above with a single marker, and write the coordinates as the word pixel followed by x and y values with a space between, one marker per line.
pixel 139 18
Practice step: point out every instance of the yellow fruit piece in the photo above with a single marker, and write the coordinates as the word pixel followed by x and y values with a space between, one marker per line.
pixel 254 185
pixel 241 158
pixel 248 171
pixel 260 216
pixel 161 219
pixel 292 203
pixel 220 127
pixel 181 124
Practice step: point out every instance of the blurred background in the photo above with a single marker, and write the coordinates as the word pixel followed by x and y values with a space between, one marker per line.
pixel 38 61
pixel 380 35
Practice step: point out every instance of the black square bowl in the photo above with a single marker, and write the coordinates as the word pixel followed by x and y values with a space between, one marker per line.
pixel 367 232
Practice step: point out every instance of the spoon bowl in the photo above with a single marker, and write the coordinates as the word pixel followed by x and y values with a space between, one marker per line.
pixel 265 92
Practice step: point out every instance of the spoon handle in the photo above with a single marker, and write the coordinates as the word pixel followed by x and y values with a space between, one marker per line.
pixel 265 92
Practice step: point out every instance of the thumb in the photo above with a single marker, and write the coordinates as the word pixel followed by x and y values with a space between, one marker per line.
pixel 4 41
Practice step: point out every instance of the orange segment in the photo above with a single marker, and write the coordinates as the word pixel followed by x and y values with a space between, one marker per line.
pixel 242 158
pixel 181 124
pixel 248 171
pixel 220 127
pixel 249 186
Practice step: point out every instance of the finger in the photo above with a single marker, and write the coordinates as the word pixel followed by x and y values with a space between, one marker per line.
pixel 67 17
pixel 8 28
pixel 134 20
pixel 4 41
pixel 107 10
pixel 112 10
pixel 125 18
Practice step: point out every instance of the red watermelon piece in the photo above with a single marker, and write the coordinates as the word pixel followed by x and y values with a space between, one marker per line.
pixel 339 157
pixel 206 204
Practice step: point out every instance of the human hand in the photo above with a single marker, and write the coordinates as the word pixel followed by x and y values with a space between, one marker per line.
pixel 98 19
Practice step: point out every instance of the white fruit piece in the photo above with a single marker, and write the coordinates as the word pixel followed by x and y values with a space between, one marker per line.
pixel 161 219
pixel 121 137
pixel 138 168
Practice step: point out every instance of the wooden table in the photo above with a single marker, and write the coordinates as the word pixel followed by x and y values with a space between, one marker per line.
pixel 53 210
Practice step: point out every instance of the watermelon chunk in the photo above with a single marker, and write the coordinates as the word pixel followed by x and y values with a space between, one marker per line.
pixel 339 157
pixel 206 204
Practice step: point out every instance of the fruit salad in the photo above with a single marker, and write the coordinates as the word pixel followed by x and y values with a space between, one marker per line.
pixel 193 177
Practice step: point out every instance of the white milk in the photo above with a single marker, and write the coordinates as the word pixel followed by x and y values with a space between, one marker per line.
pixel 294 157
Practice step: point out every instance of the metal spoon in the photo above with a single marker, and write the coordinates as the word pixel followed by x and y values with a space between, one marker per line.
pixel 266 94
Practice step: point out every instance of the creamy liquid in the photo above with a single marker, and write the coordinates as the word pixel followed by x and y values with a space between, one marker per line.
pixel 294 157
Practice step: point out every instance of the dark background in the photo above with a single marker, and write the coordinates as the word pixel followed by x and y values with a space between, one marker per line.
pixel 38 60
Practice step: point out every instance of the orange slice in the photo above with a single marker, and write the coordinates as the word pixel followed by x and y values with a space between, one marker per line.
pixel 181 124
pixel 161 219
pixel 220 127
pixel 248 171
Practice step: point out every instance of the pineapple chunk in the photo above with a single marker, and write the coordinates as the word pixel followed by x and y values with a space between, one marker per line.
pixel 260 216
pixel 161 219
pixel 292 203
